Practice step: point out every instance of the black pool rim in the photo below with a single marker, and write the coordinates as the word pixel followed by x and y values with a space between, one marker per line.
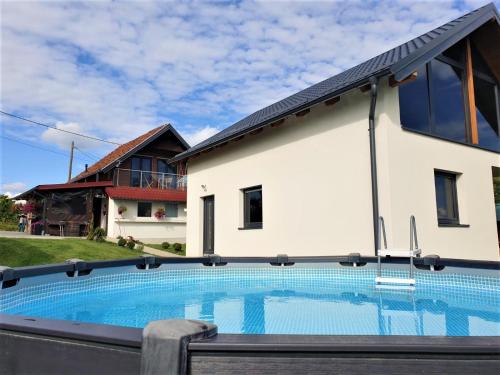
pixel 254 343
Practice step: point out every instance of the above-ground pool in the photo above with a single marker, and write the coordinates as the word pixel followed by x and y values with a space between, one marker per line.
pixel 259 298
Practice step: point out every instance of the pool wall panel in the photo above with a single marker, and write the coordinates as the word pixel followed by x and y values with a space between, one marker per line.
pixel 317 363
pixel 23 353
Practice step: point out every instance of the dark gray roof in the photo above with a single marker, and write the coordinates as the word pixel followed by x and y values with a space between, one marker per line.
pixel 399 61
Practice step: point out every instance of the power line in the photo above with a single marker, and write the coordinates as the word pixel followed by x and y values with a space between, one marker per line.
pixel 55 128
pixel 89 155
pixel 35 146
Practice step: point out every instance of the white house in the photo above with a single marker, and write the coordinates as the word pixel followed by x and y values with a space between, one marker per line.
pixel 413 131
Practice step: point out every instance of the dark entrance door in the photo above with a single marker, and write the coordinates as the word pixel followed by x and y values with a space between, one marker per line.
pixel 96 211
pixel 208 225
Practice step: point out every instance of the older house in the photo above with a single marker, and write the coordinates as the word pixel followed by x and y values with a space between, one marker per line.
pixel 132 191
pixel 413 131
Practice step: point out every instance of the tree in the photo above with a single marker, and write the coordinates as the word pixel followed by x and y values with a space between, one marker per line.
pixel 8 210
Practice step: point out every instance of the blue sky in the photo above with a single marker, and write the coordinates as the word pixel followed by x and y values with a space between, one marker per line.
pixel 115 70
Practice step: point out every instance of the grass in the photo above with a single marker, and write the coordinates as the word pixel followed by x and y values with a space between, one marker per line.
pixel 17 252
pixel 8 226
pixel 170 248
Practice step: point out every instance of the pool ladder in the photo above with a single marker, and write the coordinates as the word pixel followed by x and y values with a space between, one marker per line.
pixel 396 282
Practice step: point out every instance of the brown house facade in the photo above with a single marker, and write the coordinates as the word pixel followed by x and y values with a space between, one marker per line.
pixel 135 180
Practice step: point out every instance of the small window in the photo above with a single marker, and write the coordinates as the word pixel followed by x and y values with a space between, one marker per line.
pixel 144 209
pixel 252 201
pixel 446 198
pixel 171 209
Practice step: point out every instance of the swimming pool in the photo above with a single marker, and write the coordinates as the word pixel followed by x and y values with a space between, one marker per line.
pixel 257 298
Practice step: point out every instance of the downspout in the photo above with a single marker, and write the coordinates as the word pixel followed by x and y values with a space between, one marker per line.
pixel 373 161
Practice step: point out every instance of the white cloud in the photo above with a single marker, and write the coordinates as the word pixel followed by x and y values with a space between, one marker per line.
pixel 63 139
pixel 117 69
pixel 196 136
pixel 13 188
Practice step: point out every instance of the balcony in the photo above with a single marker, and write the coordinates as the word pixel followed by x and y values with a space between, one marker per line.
pixel 149 180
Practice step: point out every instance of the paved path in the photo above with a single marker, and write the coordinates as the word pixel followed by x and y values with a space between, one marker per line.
pixel 150 250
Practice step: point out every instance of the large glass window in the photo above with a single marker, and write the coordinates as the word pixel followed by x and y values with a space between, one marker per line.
pixel 447 101
pixel 252 201
pixel 164 167
pixel 144 209
pixel 437 102
pixel 446 198
pixel 414 103
pixel 486 99
pixel 167 177
pixel 140 174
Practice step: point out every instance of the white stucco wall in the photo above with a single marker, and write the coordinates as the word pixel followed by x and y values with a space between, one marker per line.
pixel 145 229
pixel 407 174
pixel 315 176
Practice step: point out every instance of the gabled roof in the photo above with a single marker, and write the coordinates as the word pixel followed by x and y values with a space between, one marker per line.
pixel 400 61
pixel 123 151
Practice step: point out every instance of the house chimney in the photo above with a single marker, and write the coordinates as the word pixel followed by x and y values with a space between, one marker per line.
pixel 86 167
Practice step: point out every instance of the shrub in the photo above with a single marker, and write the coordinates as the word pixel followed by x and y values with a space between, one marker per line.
pixel 139 247
pixel 119 237
pixel 131 244
pixel 165 245
pixel 177 247
pixel 99 234
pixel 122 242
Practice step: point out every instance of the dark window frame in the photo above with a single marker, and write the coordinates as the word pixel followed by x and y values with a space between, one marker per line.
pixel 450 176
pixel 247 224
pixel 150 209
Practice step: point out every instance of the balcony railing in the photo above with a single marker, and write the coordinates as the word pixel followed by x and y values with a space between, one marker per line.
pixel 148 179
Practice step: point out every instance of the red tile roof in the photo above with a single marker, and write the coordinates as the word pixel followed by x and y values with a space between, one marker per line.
pixel 118 152
pixel 134 193
pixel 79 185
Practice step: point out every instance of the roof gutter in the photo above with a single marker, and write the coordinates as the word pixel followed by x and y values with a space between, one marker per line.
pixel 373 159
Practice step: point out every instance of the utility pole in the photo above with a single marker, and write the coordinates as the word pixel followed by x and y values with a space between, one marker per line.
pixel 71 160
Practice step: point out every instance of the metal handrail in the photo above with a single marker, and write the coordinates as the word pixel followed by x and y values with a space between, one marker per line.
pixel 152 172
pixel 413 243
pixel 150 179
pixel 381 230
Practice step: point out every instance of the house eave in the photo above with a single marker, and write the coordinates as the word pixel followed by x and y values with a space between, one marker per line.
pixel 363 82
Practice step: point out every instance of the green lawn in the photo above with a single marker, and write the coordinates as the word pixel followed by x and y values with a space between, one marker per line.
pixel 170 249
pixel 17 252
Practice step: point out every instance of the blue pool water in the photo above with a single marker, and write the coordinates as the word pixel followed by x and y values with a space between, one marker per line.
pixel 280 300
